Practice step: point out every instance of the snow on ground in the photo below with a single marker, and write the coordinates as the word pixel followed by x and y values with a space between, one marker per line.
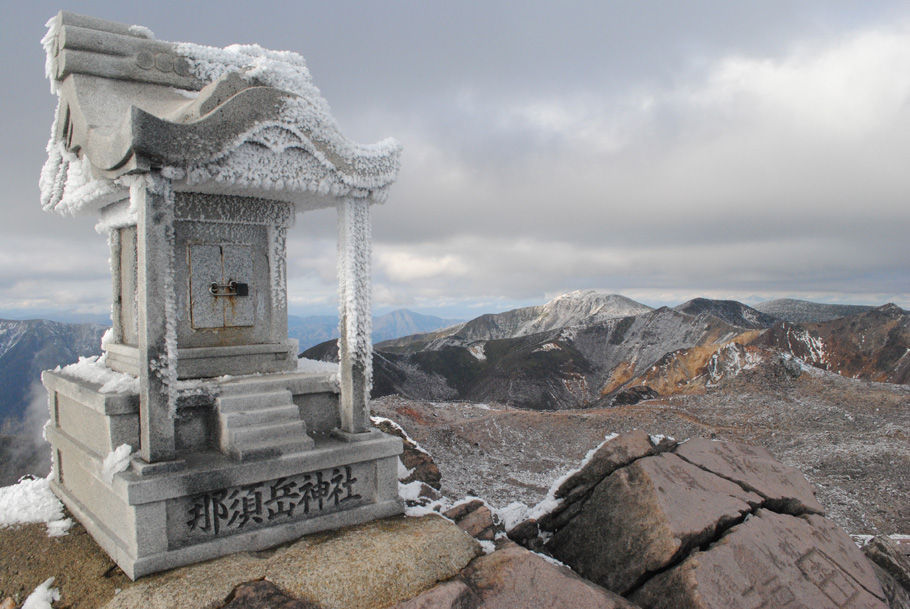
pixel 42 596
pixel 516 512
pixel 378 420
pixel 31 501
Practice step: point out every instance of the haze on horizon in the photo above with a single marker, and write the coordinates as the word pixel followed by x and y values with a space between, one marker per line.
pixel 663 151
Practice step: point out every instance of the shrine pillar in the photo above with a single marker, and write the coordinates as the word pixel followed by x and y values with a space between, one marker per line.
pixel 355 350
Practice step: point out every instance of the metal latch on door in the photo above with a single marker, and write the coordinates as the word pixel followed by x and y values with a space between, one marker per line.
pixel 232 288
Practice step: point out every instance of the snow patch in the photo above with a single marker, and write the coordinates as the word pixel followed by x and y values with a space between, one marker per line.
pixel 403 471
pixel 552 560
pixel 31 501
pixel 115 462
pixel 658 438
pixel 42 596
pixel 315 366
pixel 547 347
pixel 93 369
pixel 513 514
pixel 729 361
pixel 378 420
pixel 410 491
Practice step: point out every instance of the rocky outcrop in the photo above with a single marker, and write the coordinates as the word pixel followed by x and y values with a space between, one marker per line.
pixel 774 559
pixel 576 488
pixel 476 519
pixel 892 567
pixel 416 460
pixel 513 577
pixel 371 565
pixel 702 524
pixel 871 345
pixel 263 594
pixel 654 518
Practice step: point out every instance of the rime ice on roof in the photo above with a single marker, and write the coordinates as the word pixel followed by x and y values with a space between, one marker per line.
pixel 242 117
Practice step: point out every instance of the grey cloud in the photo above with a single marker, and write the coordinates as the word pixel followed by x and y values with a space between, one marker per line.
pixel 660 149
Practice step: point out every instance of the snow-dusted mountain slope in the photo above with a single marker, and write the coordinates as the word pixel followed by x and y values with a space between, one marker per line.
pixel 596 359
pixel 30 346
pixel 874 345
pixel 731 311
pixel 581 307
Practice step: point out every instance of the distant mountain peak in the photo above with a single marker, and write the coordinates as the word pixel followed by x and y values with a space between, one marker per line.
pixel 731 311
pixel 583 307
pixel 592 294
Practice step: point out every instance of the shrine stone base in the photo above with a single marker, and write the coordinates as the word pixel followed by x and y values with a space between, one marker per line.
pixel 205 504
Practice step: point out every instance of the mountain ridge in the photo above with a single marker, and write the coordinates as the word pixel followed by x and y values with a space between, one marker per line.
pixel 571 308
pixel 313 329
pixel 27 347
pixel 806 311
pixel 602 360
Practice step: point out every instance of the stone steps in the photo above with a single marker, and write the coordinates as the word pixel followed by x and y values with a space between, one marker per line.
pixel 270 448
pixel 245 402
pixel 260 425
pixel 274 414
pixel 262 432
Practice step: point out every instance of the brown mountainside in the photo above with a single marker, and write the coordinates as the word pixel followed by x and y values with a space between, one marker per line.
pixel 622 360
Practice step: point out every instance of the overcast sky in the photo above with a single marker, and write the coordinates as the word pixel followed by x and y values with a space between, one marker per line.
pixel 659 150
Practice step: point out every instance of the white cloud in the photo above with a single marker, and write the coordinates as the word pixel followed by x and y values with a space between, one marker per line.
pixel 853 86
pixel 405 266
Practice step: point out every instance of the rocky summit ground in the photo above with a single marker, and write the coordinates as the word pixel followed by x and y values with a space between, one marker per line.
pixel 849 437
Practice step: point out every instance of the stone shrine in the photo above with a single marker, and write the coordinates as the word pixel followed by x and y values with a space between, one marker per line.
pixel 197 434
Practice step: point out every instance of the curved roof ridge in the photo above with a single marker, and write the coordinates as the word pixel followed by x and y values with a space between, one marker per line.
pixel 241 118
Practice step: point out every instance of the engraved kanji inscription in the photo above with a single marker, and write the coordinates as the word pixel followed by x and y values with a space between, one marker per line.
pixel 288 498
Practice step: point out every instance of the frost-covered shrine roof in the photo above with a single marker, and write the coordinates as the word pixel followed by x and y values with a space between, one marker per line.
pixel 240 120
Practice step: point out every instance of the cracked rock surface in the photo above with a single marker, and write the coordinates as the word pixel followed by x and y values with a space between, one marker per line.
pixel 703 524
pixel 513 577
pixel 644 516
pixel 771 560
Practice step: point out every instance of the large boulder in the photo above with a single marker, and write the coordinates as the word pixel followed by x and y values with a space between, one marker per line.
pixel 646 515
pixel 771 560
pixel 513 577
pixel 702 524
pixel 783 488
pixel 571 494
pixel 475 518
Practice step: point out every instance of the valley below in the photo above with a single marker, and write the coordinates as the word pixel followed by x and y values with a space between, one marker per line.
pixel 849 437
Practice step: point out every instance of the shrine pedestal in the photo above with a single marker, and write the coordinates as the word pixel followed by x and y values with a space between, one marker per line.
pixel 206 503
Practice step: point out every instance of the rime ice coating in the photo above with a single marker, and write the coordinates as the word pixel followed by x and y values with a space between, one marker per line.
pixel 354 297
pixel 297 149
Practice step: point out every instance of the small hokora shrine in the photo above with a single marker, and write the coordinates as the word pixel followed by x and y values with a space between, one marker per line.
pixel 196 161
